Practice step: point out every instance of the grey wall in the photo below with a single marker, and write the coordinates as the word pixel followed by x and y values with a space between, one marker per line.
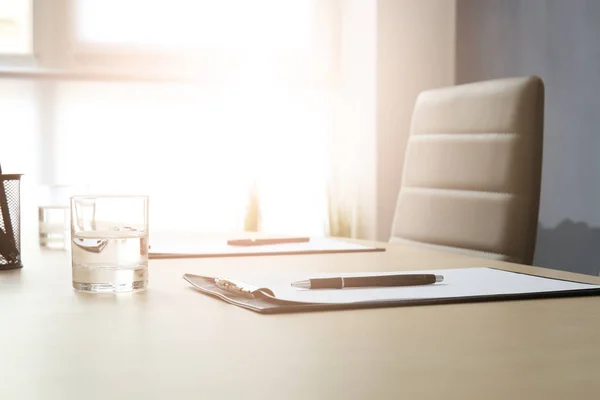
pixel 558 40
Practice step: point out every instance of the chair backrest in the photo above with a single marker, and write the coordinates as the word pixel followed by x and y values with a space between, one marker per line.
pixel 472 170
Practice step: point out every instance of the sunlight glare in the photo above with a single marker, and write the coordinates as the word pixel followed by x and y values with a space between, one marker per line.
pixel 197 24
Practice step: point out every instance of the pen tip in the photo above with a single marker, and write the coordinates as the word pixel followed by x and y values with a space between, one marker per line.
pixel 439 278
pixel 301 284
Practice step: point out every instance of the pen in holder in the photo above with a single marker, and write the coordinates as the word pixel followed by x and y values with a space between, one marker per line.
pixel 10 221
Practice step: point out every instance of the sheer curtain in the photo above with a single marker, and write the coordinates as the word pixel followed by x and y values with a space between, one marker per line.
pixel 198 150
pixel 20 147
pixel 242 144
pixel 268 124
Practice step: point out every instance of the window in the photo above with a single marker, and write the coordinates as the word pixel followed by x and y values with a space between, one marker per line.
pixel 206 37
pixel 253 118
pixel 196 25
pixel 252 122
pixel 16 33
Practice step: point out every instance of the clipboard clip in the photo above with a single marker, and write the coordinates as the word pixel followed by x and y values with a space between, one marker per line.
pixel 240 288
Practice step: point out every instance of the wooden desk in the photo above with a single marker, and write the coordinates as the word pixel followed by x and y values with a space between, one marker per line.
pixel 171 342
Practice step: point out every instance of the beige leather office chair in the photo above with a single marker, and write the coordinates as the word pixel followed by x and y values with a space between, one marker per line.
pixel 472 170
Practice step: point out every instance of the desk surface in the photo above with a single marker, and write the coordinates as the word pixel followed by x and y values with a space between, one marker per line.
pixel 171 342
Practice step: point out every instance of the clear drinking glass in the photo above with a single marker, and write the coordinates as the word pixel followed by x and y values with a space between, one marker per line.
pixel 109 246
pixel 53 215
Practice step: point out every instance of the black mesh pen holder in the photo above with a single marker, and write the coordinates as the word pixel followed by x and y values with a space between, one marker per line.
pixel 10 221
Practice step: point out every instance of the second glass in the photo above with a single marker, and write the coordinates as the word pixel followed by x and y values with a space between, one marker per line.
pixel 109 246
pixel 53 215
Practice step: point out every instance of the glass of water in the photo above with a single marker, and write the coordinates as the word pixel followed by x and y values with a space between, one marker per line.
pixel 109 243
pixel 53 215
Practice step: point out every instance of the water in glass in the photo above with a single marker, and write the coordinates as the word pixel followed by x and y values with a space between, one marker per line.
pixel 110 261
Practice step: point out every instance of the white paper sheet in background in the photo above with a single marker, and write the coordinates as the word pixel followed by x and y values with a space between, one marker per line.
pixel 220 247
pixel 466 282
